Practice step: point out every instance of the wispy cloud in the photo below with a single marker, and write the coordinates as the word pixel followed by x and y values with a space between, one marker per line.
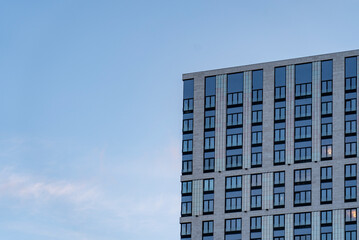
pixel 42 189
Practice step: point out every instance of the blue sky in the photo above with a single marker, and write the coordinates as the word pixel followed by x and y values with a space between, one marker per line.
pixel 90 102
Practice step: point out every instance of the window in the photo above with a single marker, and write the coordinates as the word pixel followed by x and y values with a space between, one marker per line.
pixel 279 114
pixel 208 165
pixel 302 175
pixel 279 157
pixel 327 130
pixel 303 132
pixel 257 95
pixel 234 98
pixel 208 185
pixel 186 206
pixel 210 102
pixel 233 225
pixel 326 174
pixel 233 194
pixel 350 171
pixel 233 204
pixel 188 105
pixel 256 180
pixel 279 178
pixel 350 193
pixel 350 126
pixel 327 108
pixel 327 86
pixel 234 140
pixel 209 122
pixel 257 137
pixel 302 187
pixel 278 221
pixel 304 89
pixel 350 190
pixel 256 159
pixel 234 182
pixel 208 228
pixel 350 215
pixel 303 154
pixel 234 162
pixel 186 209
pixel 326 217
pixel 350 105
pixel 326 222
pixel 187 146
pixel 304 110
pixel 256 223
pixel 256 228
pixel 279 200
pixel 256 191
pixel 187 166
pixel 350 83
pixel 257 116
pixel 185 229
pixel 279 135
pixel 350 149
pixel 279 93
pixel 302 219
pixel 350 224
pixel 187 125
pixel 187 187
pixel 209 143
pixel 327 151
pixel 234 119
pixel 208 206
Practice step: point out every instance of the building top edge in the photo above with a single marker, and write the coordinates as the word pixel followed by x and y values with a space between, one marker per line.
pixel 276 63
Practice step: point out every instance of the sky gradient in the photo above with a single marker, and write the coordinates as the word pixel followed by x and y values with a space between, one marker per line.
pixel 91 98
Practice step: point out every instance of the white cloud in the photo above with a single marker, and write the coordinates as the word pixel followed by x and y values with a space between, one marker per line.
pixel 34 188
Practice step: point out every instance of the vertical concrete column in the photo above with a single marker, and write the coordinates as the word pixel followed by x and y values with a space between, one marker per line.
pixel 220 139
pixel 289 226
pixel 338 224
pixel 198 122
pixel 197 200
pixel 315 225
pixel 247 121
pixel 289 190
pixel 219 203
pixel 316 111
pixel 267 190
pixel 246 198
pixel 289 115
pixel 268 116
pixel 196 228
pixel 246 224
pixel 267 227
pixel 338 109
pixel 338 183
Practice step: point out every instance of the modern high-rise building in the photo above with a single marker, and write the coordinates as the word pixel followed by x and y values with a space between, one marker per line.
pixel 270 151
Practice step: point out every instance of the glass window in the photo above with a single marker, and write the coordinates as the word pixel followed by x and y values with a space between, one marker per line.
pixel 208 185
pixel 208 227
pixel 185 229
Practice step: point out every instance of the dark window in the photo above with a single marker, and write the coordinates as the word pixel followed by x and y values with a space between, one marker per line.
pixel 207 228
pixel 234 119
pixel 209 122
pixel 234 140
pixel 187 125
pixel 208 165
pixel 185 229
pixel 187 146
pixel 209 143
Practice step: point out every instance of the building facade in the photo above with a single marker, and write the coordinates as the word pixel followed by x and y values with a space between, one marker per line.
pixel 269 151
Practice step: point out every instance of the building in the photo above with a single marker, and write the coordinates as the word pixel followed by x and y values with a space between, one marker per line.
pixel 270 150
